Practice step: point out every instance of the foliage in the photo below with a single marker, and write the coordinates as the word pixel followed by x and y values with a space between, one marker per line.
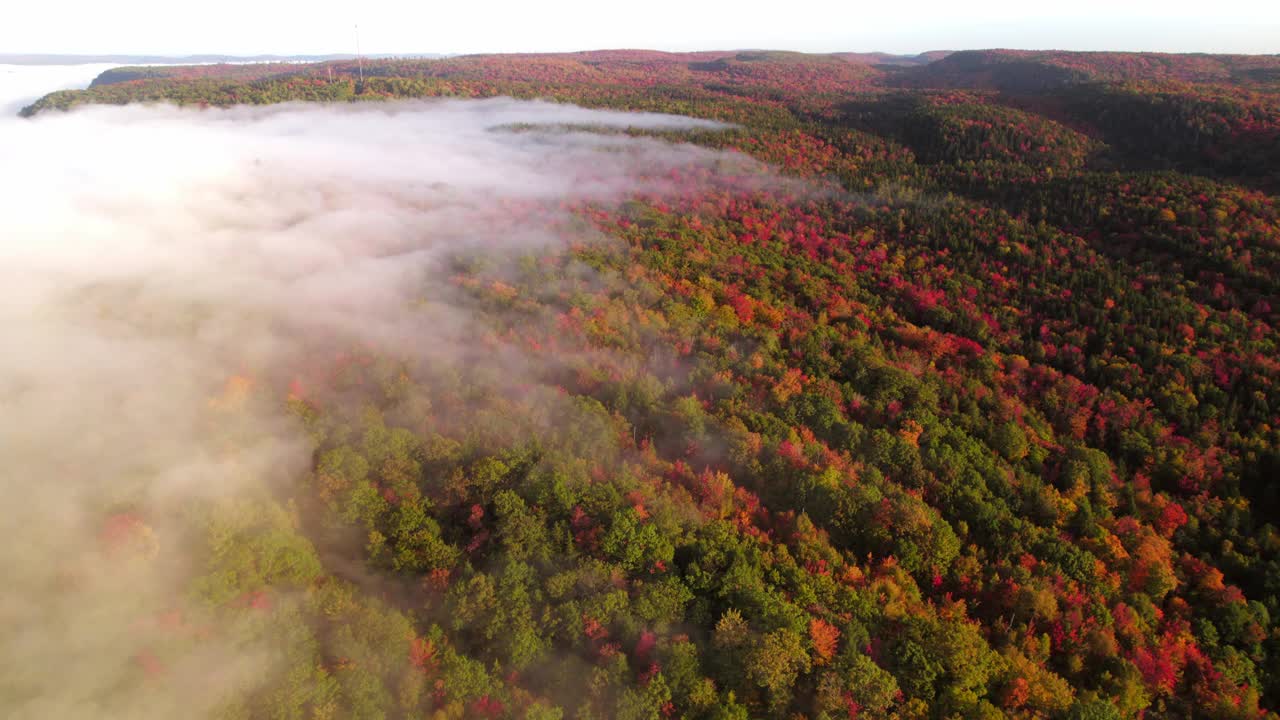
pixel 987 426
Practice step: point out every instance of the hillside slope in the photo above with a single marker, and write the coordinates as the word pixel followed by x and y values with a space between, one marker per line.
pixel 967 406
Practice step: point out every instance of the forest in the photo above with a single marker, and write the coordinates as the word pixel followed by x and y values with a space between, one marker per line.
pixel 960 399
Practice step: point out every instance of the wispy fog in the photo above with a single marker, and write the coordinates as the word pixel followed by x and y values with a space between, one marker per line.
pixel 22 84
pixel 156 263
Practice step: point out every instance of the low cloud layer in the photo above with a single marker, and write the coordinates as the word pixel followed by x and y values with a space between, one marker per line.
pixel 150 256
pixel 20 85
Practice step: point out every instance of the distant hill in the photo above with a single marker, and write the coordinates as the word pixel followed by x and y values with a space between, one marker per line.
pixel 880 58
pixel 242 71
pixel 1033 71
pixel 54 59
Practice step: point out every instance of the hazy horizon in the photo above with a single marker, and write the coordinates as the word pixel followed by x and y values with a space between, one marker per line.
pixel 145 27
pixel 321 56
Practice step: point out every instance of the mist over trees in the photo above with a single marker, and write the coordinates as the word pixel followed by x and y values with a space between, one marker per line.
pixel 915 390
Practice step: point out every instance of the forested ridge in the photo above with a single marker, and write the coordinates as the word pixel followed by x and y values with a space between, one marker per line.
pixel 974 412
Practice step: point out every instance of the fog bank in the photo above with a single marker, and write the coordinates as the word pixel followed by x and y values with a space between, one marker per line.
pixel 156 264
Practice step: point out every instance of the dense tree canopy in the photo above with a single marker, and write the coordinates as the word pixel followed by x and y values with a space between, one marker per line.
pixel 987 427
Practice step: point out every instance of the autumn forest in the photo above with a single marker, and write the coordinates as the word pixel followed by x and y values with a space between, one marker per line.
pixel 938 387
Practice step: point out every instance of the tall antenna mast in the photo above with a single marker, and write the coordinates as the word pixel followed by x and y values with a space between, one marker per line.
pixel 359 57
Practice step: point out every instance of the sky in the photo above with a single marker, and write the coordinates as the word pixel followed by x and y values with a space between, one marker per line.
pixel 246 27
